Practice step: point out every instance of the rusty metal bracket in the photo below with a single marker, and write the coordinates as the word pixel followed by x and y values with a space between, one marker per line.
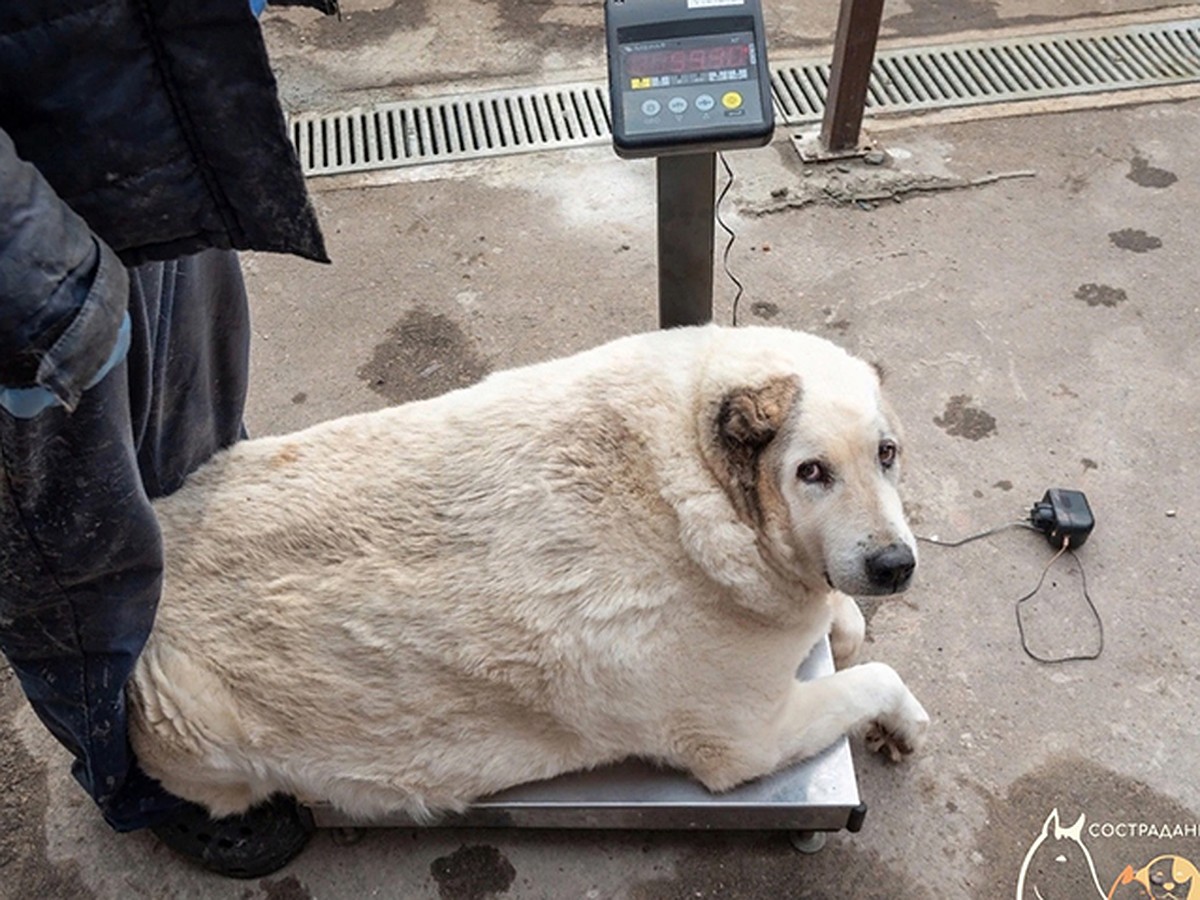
pixel 811 147
pixel 850 74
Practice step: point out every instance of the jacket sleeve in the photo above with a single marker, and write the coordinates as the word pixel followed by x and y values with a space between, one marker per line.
pixel 63 292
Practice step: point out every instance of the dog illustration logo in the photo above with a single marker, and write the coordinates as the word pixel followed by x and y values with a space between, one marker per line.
pixel 1163 878
pixel 1058 866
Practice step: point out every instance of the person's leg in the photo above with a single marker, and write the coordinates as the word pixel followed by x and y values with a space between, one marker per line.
pixel 187 395
pixel 81 556
pixel 80 548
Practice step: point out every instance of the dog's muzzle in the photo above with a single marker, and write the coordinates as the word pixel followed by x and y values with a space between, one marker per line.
pixel 890 569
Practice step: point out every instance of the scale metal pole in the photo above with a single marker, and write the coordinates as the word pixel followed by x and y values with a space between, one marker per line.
pixel 686 199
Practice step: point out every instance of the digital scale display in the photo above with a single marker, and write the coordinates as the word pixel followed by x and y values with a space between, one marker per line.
pixel 686 75
pixel 639 64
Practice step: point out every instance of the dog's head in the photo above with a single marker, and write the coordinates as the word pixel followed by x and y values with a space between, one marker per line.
pixel 810 454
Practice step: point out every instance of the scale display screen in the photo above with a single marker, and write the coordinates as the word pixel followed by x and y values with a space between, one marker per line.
pixel 679 61
pixel 685 77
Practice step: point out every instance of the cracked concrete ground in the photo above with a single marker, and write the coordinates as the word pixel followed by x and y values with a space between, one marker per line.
pixel 1037 331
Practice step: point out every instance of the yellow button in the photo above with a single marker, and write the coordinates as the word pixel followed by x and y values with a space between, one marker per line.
pixel 731 100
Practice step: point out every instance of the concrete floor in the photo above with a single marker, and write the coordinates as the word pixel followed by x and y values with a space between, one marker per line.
pixel 1037 317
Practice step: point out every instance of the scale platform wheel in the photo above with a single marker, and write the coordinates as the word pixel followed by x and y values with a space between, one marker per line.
pixel 807 841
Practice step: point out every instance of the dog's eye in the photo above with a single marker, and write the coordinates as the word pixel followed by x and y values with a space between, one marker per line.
pixel 887 453
pixel 812 471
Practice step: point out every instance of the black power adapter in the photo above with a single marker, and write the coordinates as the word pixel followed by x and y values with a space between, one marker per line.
pixel 1064 517
pixel 1066 520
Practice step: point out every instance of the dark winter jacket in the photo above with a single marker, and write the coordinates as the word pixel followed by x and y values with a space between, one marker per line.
pixel 137 130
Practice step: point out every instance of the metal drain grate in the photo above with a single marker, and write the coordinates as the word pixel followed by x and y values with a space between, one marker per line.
pixel 408 133
pixel 467 127
pixel 993 71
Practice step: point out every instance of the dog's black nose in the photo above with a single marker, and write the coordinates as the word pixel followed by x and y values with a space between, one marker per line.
pixel 891 568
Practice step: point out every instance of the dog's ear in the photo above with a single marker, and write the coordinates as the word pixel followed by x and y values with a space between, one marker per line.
pixel 750 417
pixel 746 423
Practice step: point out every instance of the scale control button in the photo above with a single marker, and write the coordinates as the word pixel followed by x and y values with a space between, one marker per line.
pixel 677 105
pixel 651 107
pixel 731 100
pixel 705 102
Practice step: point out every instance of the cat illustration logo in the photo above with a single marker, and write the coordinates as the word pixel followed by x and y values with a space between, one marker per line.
pixel 1058 866
pixel 1163 878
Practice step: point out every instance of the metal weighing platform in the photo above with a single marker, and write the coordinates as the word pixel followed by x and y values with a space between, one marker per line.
pixel 810 797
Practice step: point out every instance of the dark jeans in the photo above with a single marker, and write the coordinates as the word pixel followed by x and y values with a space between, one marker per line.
pixel 80 549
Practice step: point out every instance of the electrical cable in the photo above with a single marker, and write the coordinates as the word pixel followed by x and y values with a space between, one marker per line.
pixel 737 297
pixel 975 537
pixel 1065 548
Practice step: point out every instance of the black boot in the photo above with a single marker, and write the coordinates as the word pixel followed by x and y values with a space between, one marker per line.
pixel 258 842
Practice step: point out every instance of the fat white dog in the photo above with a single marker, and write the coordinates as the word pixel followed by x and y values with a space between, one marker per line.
pixel 627 552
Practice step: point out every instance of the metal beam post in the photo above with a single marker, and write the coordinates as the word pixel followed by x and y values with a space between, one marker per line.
pixel 850 73
pixel 686 196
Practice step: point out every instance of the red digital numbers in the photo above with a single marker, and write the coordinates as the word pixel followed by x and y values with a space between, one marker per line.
pixel 679 62
pixel 731 56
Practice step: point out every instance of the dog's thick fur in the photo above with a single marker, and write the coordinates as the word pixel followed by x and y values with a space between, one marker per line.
pixel 608 555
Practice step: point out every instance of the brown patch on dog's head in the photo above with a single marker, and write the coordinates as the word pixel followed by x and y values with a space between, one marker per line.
pixel 747 421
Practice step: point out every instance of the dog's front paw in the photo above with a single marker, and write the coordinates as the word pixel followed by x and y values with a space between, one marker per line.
pixel 901 732
pixel 847 629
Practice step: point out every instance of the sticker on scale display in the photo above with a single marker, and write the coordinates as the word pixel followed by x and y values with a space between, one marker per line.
pixel 700 4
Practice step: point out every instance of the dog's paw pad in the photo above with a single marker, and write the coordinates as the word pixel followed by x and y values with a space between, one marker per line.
pixel 887 743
